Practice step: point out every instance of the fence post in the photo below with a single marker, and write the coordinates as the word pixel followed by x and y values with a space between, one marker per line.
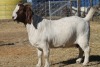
pixel 91 3
pixel 84 8
pixel 70 7
pixel 49 10
pixel 78 5
pixel 45 8
pixel 99 3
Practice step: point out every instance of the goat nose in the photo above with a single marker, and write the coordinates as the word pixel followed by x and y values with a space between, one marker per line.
pixel 13 17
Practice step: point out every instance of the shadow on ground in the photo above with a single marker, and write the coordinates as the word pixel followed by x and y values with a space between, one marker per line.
pixel 2 43
pixel 93 58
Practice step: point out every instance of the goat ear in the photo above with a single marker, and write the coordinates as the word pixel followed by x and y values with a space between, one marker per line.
pixel 28 13
pixel 20 2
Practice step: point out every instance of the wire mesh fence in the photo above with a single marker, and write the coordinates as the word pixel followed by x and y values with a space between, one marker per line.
pixel 58 9
pixel 52 8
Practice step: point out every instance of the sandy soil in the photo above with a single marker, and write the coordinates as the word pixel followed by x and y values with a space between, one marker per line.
pixel 16 51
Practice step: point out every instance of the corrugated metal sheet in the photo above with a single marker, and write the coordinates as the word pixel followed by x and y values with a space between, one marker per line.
pixel 6 8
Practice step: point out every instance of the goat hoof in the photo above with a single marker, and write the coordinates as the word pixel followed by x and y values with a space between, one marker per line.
pixel 84 64
pixel 46 66
pixel 78 60
pixel 38 65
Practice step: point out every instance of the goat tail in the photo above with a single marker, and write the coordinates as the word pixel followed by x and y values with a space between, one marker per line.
pixel 90 13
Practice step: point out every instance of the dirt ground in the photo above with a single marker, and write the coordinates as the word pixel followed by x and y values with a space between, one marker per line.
pixel 16 51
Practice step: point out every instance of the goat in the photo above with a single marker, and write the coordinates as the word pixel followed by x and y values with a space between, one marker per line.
pixel 83 10
pixel 65 32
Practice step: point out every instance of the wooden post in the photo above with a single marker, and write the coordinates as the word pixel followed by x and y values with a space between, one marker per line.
pixel 99 3
pixel 70 7
pixel 91 3
pixel 84 8
pixel 78 6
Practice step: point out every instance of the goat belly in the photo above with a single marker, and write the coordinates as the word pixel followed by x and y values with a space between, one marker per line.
pixel 60 41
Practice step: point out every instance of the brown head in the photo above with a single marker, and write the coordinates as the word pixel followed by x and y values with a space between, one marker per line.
pixel 23 13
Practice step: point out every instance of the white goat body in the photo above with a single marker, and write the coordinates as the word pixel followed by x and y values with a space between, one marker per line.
pixel 64 32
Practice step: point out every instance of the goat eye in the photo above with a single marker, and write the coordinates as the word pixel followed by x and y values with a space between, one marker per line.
pixel 17 12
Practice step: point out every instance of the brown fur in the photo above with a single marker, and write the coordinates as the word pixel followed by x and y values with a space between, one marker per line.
pixel 24 14
pixel 28 13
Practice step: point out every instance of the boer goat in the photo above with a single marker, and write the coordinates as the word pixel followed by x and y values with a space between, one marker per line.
pixel 82 10
pixel 66 32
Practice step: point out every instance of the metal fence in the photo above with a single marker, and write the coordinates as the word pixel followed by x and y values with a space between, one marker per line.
pixel 53 9
pixel 58 9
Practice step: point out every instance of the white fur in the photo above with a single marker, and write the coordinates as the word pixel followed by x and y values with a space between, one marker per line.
pixel 64 32
pixel 59 33
pixel 90 14
pixel 14 15
pixel 82 10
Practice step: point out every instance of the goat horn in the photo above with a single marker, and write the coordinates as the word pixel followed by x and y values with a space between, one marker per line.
pixel 28 3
